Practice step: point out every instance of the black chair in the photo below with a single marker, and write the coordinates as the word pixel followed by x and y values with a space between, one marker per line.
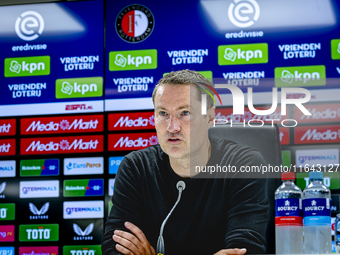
pixel 266 140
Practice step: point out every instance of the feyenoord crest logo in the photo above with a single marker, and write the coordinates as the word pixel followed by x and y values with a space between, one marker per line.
pixel 135 23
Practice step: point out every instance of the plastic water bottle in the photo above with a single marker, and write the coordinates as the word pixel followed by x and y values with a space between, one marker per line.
pixel 288 217
pixel 317 216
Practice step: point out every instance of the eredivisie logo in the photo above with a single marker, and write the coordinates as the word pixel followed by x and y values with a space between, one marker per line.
pixel 135 23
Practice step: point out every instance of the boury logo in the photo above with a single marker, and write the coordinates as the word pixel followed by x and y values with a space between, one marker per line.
pixel 314 207
pixel 287 207
pixel 39 214
pixel 83 235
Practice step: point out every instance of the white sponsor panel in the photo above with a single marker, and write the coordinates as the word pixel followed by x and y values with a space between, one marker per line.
pixel 7 168
pixel 31 189
pixel 317 157
pixel 80 166
pixel 111 186
pixel 83 209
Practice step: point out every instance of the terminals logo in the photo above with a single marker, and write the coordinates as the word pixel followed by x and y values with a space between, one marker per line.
pixel 32 189
pixel 7 168
pixel 29 25
pixel 39 214
pixel 242 54
pixel 37 233
pixel 335 49
pixel 83 235
pixel 27 66
pixel 135 23
pixel 244 13
pixel 83 209
pixel 132 60
pixel 300 76
pixel 79 87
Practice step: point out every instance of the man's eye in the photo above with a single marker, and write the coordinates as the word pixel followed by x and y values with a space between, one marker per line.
pixel 162 113
pixel 186 113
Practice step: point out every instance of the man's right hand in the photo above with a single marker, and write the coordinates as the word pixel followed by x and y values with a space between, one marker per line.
pixel 231 252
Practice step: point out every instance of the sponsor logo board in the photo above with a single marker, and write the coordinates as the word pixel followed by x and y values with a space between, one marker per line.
pixel 300 76
pixel 31 189
pixel 39 214
pixel 242 54
pixel 303 50
pixel 83 188
pixel 321 157
pixel 114 163
pixel 60 125
pixel 335 49
pixel 129 142
pixel 284 135
pixel 132 60
pixel 61 145
pixel 131 121
pixel 330 180
pixel 7 147
pixel 7 233
pixel 83 166
pixel 320 113
pixel 7 250
pixel 317 134
pixel 39 250
pixel 243 13
pixel 83 209
pixel 79 87
pixel 76 63
pixel 111 186
pixel 286 158
pixel 7 211
pixel 82 250
pixel 7 168
pixel 39 233
pixel 2 189
pixel 29 25
pixel 27 66
pixel 194 56
pixel 7 127
pixel 83 235
pixel 39 167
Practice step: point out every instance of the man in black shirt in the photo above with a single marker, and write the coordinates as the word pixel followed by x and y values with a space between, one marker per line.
pixel 220 215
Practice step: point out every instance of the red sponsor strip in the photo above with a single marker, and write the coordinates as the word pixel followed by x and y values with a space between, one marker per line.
pixel 320 113
pixel 37 250
pixel 288 221
pixel 61 125
pixel 61 145
pixel 317 134
pixel 131 121
pixel 284 135
pixel 7 147
pixel 7 127
pixel 130 142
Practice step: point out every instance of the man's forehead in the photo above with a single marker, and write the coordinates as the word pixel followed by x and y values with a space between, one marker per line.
pixel 168 90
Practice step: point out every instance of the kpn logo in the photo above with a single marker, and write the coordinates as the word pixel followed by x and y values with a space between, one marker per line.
pixel 243 54
pixel 132 60
pixel 79 87
pixel 300 76
pixel 335 49
pixel 38 233
pixel 27 66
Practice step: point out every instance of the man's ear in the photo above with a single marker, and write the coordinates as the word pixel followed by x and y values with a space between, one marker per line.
pixel 211 116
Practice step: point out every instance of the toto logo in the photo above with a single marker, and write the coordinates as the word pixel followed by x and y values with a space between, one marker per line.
pixel 244 13
pixel 29 25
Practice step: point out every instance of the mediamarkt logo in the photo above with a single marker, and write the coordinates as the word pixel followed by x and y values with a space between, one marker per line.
pixel 54 145
pixel 131 121
pixel 119 142
pixel 74 124
pixel 7 127
pixel 7 147
pixel 322 134
pixel 320 113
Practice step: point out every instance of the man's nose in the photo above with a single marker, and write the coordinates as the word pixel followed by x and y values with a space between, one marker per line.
pixel 173 125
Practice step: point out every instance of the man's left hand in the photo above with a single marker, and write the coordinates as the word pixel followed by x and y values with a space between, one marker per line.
pixel 135 243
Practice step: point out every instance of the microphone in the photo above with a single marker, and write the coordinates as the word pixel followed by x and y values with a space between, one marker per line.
pixel 160 243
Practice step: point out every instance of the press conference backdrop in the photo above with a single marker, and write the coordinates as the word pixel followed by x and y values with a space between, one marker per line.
pixel 74 100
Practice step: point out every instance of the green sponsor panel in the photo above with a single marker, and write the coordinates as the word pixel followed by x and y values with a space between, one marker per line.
pixel 7 211
pixel 110 207
pixel 243 54
pixel 75 188
pixel 335 49
pixel 79 87
pixel 27 66
pixel 286 158
pixel 31 167
pixel 39 233
pixel 82 249
pixel 330 180
pixel 132 60
pixel 300 76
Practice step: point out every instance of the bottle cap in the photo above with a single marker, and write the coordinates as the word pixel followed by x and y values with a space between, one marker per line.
pixel 287 176
pixel 315 175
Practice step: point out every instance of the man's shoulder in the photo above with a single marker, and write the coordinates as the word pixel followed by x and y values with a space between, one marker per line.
pixel 149 155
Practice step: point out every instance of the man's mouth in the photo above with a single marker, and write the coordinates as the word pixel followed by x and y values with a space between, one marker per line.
pixel 173 140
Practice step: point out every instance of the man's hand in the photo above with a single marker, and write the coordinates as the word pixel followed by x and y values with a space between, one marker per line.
pixel 231 252
pixel 129 244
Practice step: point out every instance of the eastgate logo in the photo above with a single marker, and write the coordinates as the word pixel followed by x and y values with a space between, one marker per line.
pixel 241 54
pixel 27 66
pixel 29 26
pixel 239 10
pixel 132 60
pixel 79 87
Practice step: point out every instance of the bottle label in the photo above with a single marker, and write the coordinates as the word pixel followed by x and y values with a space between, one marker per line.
pixel 316 212
pixel 288 212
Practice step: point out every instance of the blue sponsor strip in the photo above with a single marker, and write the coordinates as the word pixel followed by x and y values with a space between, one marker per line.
pixel 317 221
pixel 114 163
pixel 95 187
pixel 7 250
pixel 50 167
